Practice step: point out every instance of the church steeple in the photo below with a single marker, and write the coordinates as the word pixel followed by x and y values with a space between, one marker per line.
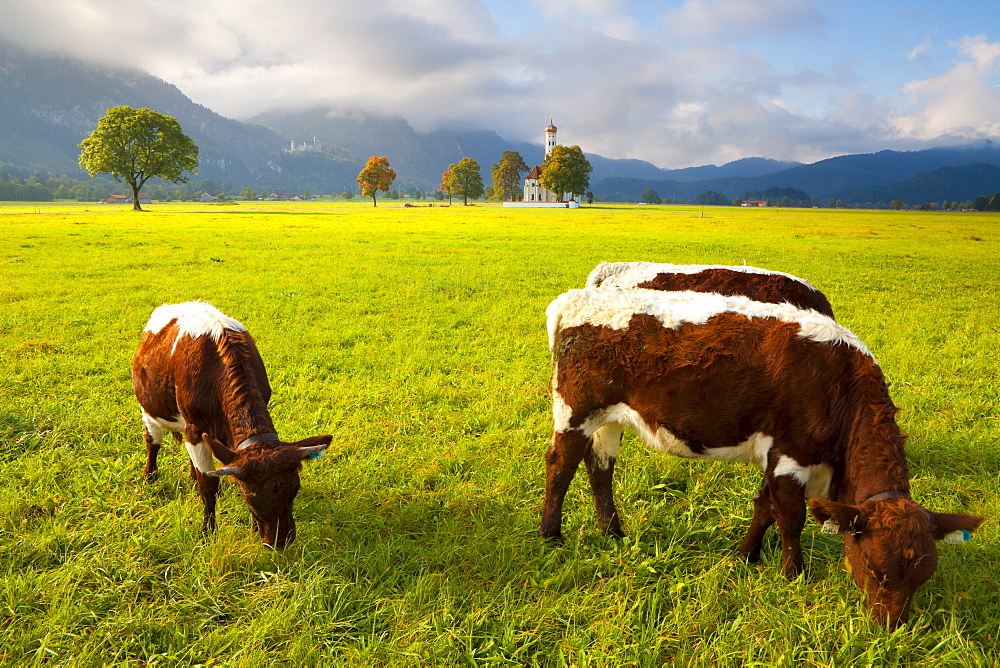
pixel 550 138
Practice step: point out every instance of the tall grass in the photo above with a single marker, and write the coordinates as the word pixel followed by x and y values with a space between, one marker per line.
pixel 416 337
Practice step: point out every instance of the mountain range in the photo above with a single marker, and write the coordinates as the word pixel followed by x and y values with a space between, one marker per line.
pixel 49 103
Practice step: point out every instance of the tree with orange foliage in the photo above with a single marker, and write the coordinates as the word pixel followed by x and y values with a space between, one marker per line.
pixel 377 175
pixel 445 188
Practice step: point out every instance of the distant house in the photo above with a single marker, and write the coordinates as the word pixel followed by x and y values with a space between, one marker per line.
pixel 754 202
pixel 209 197
pixel 126 199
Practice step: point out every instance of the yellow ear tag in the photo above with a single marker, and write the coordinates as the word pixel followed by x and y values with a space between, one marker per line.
pixel 830 526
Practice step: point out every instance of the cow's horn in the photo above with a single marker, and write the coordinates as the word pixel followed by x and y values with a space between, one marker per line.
pixel 225 470
pixel 311 451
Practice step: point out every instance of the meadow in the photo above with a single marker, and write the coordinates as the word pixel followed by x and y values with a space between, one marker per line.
pixel 416 337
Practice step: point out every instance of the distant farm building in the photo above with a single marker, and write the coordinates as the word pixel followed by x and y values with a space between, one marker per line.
pixel 126 199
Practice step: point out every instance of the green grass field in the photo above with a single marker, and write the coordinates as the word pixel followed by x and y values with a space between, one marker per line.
pixel 417 338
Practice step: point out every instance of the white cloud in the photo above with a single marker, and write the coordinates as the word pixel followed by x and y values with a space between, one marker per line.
pixel 609 17
pixel 960 102
pixel 763 19
pixel 984 54
pixel 920 49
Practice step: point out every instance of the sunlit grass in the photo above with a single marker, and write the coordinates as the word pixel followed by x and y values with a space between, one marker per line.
pixel 416 337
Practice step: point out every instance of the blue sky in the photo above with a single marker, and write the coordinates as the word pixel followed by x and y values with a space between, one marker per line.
pixel 678 82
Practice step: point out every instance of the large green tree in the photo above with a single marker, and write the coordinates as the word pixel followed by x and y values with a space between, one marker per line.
pixel 650 196
pixel 134 145
pixel 377 175
pixel 566 170
pixel 713 197
pixel 465 181
pixel 507 176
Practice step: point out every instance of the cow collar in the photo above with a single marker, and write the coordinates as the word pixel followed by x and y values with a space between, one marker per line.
pixel 270 436
pixel 886 495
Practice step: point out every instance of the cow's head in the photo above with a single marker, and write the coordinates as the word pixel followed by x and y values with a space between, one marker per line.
pixel 268 475
pixel 890 548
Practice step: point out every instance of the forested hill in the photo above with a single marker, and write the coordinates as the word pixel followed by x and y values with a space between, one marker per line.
pixel 961 184
pixel 861 178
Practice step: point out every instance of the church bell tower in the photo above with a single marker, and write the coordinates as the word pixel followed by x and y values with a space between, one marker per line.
pixel 550 138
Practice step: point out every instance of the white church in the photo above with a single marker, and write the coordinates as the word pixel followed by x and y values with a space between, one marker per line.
pixel 534 194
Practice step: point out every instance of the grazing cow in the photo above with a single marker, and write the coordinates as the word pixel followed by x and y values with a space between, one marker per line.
pixel 711 377
pixel 198 373
pixel 761 285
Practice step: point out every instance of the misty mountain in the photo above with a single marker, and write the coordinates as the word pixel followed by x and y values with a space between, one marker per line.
pixel 744 167
pixel 50 103
pixel 423 157
pixel 419 159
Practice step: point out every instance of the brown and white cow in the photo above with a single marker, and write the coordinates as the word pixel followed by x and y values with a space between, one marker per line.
pixel 198 373
pixel 711 377
pixel 762 285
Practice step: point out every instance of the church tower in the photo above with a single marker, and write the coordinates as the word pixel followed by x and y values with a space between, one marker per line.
pixel 550 138
pixel 533 190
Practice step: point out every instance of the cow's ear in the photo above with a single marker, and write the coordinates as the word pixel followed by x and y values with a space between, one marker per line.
pixel 943 524
pixel 838 517
pixel 219 449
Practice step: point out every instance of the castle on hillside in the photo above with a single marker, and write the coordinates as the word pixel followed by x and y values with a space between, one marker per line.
pixel 304 146
pixel 533 190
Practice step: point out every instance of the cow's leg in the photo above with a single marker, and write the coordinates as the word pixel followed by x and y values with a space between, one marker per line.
pixel 561 461
pixel 208 487
pixel 202 462
pixel 763 518
pixel 788 503
pixel 600 457
pixel 153 433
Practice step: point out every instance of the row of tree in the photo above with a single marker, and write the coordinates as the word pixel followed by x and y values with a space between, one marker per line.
pixel 565 170
pixel 991 203
pixel 792 197
pixel 17 192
